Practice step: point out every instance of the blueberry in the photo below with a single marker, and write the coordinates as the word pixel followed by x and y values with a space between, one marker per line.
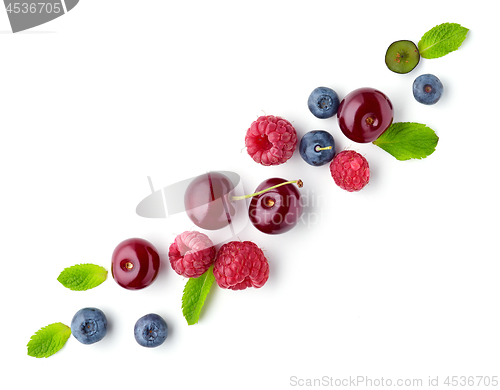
pixel 427 89
pixel 317 147
pixel 323 102
pixel 89 325
pixel 150 330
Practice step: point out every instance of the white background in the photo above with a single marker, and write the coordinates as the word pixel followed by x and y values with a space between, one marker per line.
pixel 398 281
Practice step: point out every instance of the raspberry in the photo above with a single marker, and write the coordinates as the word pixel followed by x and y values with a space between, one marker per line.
pixel 271 140
pixel 350 170
pixel 191 254
pixel 239 265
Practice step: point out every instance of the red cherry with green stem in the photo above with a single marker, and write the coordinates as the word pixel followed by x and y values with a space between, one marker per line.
pixel 276 206
pixel 135 263
pixel 364 114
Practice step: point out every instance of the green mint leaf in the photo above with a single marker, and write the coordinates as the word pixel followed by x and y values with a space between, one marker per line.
pixel 194 295
pixel 441 40
pixel 82 277
pixel 48 340
pixel 407 140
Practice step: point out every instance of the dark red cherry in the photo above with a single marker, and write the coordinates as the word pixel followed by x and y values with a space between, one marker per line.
pixel 135 263
pixel 277 209
pixel 207 203
pixel 365 114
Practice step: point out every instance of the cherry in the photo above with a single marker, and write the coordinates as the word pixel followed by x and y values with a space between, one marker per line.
pixel 206 201
pixel 365 114
pixel 135 263
pixel 275 207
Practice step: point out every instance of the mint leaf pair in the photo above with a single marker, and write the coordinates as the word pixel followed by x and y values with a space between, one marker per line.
pixel 441 40
pixel 82 277
pixel 408 140
pixel 48 340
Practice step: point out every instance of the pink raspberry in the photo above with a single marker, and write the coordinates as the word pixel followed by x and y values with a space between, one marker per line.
pixel 239 265
pixel 350 170
pixel 191 254
pixel 271 140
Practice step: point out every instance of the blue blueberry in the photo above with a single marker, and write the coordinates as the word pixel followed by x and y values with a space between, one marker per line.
pixel 89 325
pixel 427 89
pixel 317 148
pixel 323 102
pixel 151 330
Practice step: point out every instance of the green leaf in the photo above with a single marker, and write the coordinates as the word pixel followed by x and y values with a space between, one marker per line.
pixel 441 40
pixel 48 340
pixel 407 140
pixel 82 277
pixel 194 295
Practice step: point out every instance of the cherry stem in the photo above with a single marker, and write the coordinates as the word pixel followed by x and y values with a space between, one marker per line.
pixel 298 182
pixel 318 148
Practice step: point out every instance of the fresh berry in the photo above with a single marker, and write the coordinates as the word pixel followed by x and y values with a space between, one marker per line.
pixel 427 89
pixel 271 140
pixel 191 254
pixel 402 56
pixel 276 206
pixel 89 325
pixel 135 263
pixel 317 148
pixel 239 265
pixel 323 102
pixel 150 330
pixel 350 170
pixel 206 201
pixel 365 114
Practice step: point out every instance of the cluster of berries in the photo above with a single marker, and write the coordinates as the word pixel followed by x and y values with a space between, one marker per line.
pixel 402 57
pixel 237 265
pixel 363 115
